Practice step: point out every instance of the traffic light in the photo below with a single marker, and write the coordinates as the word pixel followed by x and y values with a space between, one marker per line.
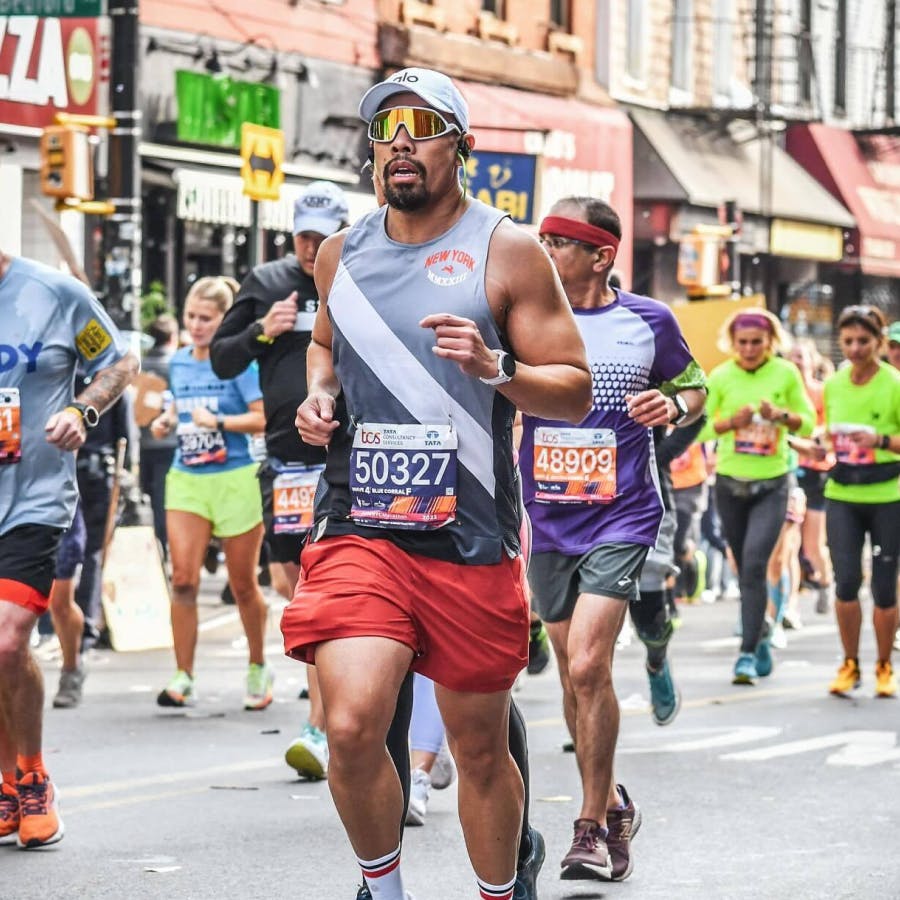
pixel 66 169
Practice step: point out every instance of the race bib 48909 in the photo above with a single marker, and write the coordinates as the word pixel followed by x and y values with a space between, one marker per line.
pixel 403 476
pixel 575 465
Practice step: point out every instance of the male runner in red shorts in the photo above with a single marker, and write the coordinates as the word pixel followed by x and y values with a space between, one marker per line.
pixel 437 318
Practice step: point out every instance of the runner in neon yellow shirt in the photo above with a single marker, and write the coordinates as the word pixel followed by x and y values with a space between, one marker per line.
pixel 755 400
pixel 862 417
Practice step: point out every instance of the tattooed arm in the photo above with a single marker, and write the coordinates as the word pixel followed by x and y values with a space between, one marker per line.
pixel 65 429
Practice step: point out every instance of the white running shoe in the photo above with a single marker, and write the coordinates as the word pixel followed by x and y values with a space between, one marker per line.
pixel 443 771
pixel 778 637
pixel 308 754
pixel 419 789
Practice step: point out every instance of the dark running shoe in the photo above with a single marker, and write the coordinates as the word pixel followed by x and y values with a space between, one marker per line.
pixel 665 698
pixel 538 649
pixel 623 825
pixel 527 872
pixel 588 859
pixel 364 893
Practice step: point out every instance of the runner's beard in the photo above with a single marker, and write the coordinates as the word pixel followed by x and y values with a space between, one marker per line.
pixel 406 197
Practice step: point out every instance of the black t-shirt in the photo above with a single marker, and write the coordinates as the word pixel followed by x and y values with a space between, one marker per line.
pixel 282 364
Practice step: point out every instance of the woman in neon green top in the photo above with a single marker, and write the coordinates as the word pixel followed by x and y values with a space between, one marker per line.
pixel 862 419
pixel 755 400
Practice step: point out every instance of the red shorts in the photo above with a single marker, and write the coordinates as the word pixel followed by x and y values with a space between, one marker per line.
pixel 467 625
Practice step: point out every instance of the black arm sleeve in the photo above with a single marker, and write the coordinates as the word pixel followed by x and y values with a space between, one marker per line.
pixel 233 347
pixel 678 440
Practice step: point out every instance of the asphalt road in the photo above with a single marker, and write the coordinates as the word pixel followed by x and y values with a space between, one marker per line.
pixel 775 791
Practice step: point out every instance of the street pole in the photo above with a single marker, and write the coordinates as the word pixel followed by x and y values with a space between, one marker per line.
pixel 890 62
pixel 763 89
pixel 253 242
pixel 122 229
pixel 733 248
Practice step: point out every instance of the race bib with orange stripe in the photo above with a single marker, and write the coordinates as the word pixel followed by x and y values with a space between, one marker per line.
pixel 574 465
pixel 759 438
pixel 403 476
pixel 293 498
pixel 10 426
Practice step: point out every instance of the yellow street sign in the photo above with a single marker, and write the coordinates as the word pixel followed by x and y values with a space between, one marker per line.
pixel 262 152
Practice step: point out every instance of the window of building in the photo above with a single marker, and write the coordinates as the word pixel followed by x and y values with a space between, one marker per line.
pixel 682 44
pixel 494 6
pixel 635 50
pixel 723 49
pixel 561 14
pixel 840 58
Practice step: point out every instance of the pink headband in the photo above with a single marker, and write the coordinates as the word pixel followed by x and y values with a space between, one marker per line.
pixel 751 320
pixel 578 231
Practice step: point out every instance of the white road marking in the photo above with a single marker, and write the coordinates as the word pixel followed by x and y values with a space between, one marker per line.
pixel 857 748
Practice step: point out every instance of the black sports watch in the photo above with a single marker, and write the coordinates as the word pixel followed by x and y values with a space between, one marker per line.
pixel 259 334
pixel 506 369
pixel 682 411
pixel 89 414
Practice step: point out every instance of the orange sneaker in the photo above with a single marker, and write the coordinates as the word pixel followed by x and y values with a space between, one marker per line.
pixel 9 813
pixel 885 682
pixel 40 823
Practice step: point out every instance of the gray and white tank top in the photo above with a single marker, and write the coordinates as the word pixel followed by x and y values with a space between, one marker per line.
pixel 389 374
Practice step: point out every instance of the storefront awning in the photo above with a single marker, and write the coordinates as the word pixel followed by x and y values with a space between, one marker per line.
pixel 864 172
pixel 582 149
pixel 687 160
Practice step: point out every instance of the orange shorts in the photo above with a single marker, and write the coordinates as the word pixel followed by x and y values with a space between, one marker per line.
pixel 467 625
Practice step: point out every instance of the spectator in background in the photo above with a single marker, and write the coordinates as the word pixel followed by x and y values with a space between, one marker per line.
pixel 96 473
pixel 893 344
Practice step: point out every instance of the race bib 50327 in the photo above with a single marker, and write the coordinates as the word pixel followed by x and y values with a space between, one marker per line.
pixel 403 476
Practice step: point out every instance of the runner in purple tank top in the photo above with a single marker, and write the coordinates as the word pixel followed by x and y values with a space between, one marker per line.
pixel 593 497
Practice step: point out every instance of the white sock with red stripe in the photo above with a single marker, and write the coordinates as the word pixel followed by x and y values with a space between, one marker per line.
pixel 496 891
pixel 383 876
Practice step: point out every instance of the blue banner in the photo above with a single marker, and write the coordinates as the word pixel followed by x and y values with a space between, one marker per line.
pixel 505 181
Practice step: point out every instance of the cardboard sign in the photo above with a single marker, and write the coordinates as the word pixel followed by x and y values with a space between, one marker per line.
pixel 136 597
pixel 148 399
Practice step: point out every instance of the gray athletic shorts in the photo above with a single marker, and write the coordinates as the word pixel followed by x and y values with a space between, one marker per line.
pixel 556 580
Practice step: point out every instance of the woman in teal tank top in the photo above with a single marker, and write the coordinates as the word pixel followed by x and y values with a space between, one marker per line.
pixel 862 494
pixel 756 399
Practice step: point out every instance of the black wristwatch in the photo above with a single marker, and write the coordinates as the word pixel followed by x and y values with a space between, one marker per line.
pixel 258 332
pixel 682 411
pixel 89 414
pixel 506 369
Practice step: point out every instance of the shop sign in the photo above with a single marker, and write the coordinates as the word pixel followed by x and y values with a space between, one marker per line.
pixel 505 181
pixel 212 109
pixel 561 174
pixel 51 65
pixel 262 155
pixel 803 240
pixel 77 9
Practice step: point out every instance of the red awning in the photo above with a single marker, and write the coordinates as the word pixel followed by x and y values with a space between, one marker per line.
pixel 864 174
pixel 584 150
